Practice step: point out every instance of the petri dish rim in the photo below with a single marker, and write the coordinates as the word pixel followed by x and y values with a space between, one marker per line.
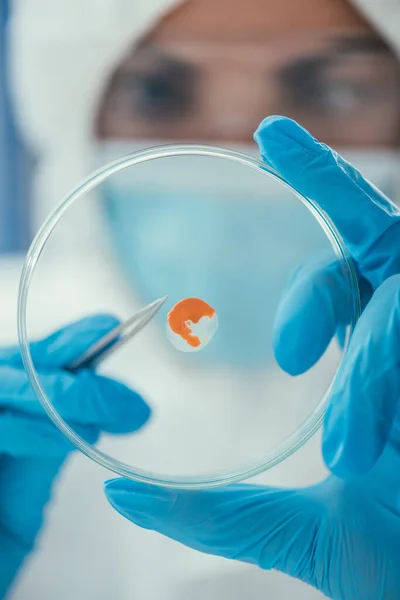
pixel 286 448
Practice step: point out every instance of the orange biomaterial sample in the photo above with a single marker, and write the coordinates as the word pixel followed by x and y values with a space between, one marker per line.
pixel 191 324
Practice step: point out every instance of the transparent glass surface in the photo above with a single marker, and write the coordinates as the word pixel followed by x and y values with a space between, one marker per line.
pixel 188 221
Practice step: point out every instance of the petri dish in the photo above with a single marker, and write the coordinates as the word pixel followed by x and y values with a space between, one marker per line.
pixel 190 221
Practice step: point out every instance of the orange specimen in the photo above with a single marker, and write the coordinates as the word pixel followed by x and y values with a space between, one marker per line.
pixel 185 312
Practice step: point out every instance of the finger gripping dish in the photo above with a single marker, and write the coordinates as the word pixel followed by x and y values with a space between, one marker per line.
pixel 191 325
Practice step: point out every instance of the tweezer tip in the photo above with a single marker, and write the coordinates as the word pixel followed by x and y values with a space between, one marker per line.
pixel 153 307
pixel 160 301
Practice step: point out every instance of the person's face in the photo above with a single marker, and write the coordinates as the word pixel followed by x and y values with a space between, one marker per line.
pixel 213 69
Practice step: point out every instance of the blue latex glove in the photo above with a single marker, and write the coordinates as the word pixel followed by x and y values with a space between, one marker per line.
pixel 343 535
pixel 32 450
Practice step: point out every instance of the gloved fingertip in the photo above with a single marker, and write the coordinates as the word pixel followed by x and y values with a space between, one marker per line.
pixel 304 323
pixel 116 498
pixel 281 131
pixel 136 501
pixel 288 338
pixel 112 489
pixel 261 135
pixel 268 125
pixel 137 415
pixel 288 358
pixel 126 410
pixel 109 483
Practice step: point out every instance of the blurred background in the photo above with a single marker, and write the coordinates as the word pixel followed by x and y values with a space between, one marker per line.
pixel 87 81
pixel 16 163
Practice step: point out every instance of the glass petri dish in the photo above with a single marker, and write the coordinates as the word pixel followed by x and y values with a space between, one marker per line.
pixel 190 221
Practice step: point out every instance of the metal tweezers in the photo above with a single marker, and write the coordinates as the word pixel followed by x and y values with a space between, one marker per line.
pixel 116 338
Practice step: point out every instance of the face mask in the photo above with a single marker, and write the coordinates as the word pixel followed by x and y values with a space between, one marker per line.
pixel 216 238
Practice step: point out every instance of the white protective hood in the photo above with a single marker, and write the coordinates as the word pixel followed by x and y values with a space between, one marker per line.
pixel 384 16
pixel 62 53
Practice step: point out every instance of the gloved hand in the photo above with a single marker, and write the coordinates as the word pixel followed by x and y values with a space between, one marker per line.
pixel 343 535
pixel 32 450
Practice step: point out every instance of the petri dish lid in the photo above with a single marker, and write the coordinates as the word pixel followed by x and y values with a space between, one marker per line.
pixel 189 221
